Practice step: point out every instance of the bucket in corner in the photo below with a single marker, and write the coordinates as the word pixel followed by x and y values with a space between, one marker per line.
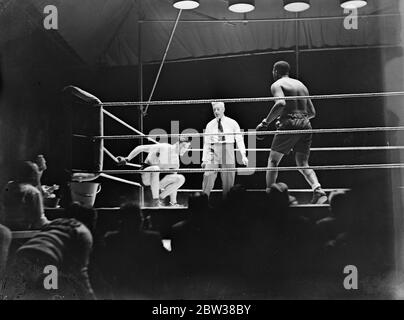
pixel 84 192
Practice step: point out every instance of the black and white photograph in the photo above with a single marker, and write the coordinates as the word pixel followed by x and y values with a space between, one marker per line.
pixel 201 155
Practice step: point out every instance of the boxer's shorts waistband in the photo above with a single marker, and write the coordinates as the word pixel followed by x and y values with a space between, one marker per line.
pixel 294 116
pixel 220 143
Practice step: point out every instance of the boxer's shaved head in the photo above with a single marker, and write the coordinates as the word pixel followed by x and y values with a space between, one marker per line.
pixel 184 144
pixel 281 68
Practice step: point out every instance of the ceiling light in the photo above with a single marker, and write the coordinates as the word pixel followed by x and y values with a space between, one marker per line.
pixel 241 6
pixel 186 4
pixel 296 5
pixel 353 4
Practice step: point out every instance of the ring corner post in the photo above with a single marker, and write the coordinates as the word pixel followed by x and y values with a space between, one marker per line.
pixel 102 125
pixel 297 45
pixel 140 107
pixel 141 119
pixel 141 197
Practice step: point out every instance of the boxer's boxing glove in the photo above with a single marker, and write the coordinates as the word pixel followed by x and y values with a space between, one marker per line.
pixel 263 126
pixel 278 124
pixel 121 161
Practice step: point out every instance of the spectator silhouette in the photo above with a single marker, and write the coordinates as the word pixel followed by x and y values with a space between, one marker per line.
pixel 268 232
pixel 22 201
pixel 355 233
pixel 195 242
pixel 65 243
pixel 333 230
pixel 233 220
pixel 5 240
pixel 278 198
pixel 133 260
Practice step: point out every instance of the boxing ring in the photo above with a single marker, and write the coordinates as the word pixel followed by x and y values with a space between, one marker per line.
pixel 99 139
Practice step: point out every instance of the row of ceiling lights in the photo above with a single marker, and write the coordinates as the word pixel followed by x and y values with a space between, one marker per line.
pixel 243 6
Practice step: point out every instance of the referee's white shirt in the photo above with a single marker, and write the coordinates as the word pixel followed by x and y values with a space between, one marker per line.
pixel 229 126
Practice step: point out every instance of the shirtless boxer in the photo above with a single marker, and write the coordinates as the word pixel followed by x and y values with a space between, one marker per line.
pixel 291 115
pixel 161 156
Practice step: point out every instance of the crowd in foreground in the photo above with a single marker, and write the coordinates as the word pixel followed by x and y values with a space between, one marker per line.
pixel 236 249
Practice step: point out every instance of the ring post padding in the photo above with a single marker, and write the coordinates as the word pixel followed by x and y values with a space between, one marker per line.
pixel 86 118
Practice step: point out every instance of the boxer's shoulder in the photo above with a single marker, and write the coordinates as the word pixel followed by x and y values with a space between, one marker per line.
pixel 163 146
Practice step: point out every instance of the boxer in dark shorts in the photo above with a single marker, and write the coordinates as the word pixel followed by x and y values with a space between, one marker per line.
pixel 291 115
pixel 284 143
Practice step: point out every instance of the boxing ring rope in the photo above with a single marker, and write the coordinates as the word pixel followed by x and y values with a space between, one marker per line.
pixel 248 133
pixel 253 100
pixel 264 190
pixel 140 134
pixel 121 180
pixel 263 169
pixel 370 148
pixel 323 149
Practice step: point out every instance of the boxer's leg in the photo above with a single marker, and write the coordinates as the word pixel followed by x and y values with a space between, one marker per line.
pixel 302 160
pixel 152 179
pixel 281 144
pixel 146 178
pixel 170 184
pixel 273 161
